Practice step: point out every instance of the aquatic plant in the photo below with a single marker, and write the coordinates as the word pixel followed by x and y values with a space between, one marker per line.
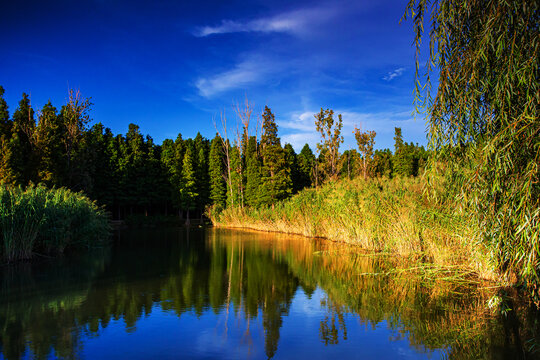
pixel 37 219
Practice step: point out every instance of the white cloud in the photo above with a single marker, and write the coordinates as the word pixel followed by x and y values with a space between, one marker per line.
pixel 291 22
pixel 393 74
pixel 244 73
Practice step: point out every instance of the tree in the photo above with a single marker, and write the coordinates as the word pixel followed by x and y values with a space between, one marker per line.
pixel 306 160
pixel 253 172
pixel 188 188
pixel 203 181
pixel 331 138
pixel 49 139
pixel 403 160
pixel 5 123
pixel 382 163
pixel 23 160
pixel 349 164
pixel 483 120
pixel 365 141
pixel 6 155
pixel 275 179
pixel 292 165
pixel 216 169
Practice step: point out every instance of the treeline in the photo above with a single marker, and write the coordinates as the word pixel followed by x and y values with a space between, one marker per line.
pixel 130 174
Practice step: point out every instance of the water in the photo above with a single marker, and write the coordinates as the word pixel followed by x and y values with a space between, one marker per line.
pixel 177 293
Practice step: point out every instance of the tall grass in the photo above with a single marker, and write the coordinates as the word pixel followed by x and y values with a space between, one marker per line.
pixel 383 215
pixel 41 220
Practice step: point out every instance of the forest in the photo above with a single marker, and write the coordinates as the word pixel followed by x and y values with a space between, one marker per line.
pixel 130 175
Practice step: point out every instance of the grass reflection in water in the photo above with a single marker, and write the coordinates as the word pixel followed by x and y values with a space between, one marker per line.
pixel 56 307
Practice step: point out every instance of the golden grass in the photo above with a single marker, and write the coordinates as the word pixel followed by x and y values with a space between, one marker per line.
pixel 380 215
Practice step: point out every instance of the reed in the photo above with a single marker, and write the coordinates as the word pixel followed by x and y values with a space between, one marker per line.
pixel 40 220
pixel 384 215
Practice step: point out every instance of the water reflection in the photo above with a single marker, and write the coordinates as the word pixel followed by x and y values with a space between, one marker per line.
pixel 209 293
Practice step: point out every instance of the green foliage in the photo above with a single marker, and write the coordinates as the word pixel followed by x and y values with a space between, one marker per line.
pixel 275 174
pixel 483 120
pixel 188 189
pixel 365 141
pixel 306 160
pixel 47 220
pixel 331 138
pixel 218 186
pixel 253 172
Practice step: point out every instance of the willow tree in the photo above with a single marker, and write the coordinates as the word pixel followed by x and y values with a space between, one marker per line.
pixel 483 118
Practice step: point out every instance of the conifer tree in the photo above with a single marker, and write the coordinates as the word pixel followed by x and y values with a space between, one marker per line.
pixel 275 180
pixel 203 182
pixel 188 186
pixel 292 165
pixel 235 192
pixel 403 161
pixel 7 174
pixel 24 161
pixel 49 139
pixel 253 172
pixel 382 163
pixel 216 170
pixel 5 123
pixel 306 160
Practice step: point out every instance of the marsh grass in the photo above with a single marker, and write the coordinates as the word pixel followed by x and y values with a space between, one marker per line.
pixel 386 216
pixel 41 220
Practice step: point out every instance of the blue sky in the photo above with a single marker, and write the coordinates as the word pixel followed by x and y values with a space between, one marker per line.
pixel 174 66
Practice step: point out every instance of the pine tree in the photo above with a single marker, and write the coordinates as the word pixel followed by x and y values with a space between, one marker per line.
pixel 216 170
pixel 234 194
pixel 403 158
pixel 49 138
pixel 253 172
pixel 188 186
pixel 5 123
pixel 203 181
pixel 292 165
pixel 24 162
pixel 382 163
pixel 306 160
pixel 275 180
pixel 7 174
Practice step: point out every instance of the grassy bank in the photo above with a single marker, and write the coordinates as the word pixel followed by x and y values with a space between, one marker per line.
pixel 41 220
pixel 383 215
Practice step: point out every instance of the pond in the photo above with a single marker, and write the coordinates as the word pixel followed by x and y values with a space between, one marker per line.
pixel 217 293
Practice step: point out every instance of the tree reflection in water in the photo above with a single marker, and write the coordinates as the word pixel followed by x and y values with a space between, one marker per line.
pixel 52 308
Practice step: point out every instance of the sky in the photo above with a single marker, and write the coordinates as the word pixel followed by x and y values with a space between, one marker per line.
pixel 176 66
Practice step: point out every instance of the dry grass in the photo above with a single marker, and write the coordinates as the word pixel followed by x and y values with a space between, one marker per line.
pixel 381 215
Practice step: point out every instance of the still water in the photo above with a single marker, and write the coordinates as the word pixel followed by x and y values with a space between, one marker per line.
pixel 211 293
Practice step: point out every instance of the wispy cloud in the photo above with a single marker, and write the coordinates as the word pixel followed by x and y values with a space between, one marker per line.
pixel 247 72
pixel 394 74
pixel 290 22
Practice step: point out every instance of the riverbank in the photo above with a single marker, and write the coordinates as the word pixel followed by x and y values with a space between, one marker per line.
pixel 383 215
pixel 38 220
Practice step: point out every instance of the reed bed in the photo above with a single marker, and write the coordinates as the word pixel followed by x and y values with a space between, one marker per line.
pixel 391 216
pixel 37 220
